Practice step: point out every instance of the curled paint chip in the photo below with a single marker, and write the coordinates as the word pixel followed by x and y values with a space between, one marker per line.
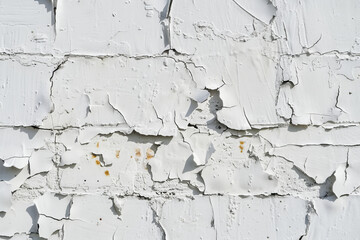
pixel 170 160
pixel 22 212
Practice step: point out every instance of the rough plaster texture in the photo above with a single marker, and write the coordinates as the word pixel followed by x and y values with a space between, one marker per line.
pixel 179 119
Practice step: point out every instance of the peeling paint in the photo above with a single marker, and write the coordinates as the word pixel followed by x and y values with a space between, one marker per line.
pixel 169 119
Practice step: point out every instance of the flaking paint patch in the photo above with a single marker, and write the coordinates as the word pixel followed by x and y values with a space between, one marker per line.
pixel 122 91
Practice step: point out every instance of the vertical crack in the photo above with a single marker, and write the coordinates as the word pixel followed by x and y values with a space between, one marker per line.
pixel 52 82
pixel 310 210
pixel 337 101
pixel 51 89
pixel 347 164
pixel 247 118
pixel 166 26
pixel 156 220
pixel 54 6
pixel 213 218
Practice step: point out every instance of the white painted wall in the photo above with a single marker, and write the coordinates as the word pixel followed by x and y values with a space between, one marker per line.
pixel 179 119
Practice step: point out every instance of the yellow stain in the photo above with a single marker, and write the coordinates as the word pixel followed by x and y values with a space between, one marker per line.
pixel 149 154
pixel 138 152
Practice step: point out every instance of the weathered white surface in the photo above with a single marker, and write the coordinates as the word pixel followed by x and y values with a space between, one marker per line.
pixel 115 27
pixel 325 89
pixel 191 219
pixel 179 119
pixel 321 26
pixel 278 218
pixel 5 196
pixel 94 217
pixel 26 26
pixel 25 90
pixel 334 220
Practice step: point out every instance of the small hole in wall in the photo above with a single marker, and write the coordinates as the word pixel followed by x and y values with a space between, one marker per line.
pixel 84 180
pixel 100 219
pixel 350 93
